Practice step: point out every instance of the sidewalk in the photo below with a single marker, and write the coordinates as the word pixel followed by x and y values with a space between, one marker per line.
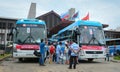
pixel 117 61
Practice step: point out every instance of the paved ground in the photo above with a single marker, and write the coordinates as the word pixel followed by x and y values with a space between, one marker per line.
pixel 98 65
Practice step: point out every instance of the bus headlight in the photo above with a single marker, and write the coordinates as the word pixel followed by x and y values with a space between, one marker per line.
pixel 14 49
pixel 82 52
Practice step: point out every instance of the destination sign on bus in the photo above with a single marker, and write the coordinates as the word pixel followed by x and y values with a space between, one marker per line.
pixel 30 25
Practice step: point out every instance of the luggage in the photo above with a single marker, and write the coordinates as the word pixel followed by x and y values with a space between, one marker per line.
pixel 38 54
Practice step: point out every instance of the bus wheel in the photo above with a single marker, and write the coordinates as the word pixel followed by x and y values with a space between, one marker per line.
pixel 90 59
pixel 20 59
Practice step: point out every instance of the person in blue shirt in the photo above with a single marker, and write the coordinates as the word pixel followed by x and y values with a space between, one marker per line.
pixel 46 51
pixel 107 53
pixel 74 47
pixel 42 51
pixel 58 51
pixel 62 52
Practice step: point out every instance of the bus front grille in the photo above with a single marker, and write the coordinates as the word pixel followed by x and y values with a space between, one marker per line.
pixel 94 52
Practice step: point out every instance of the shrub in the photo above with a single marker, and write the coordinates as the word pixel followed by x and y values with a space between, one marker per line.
pixel 117 57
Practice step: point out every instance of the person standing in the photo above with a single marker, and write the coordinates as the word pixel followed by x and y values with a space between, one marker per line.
pixel 46 51
pixel 107 54
pixel 52 51
pixel 74 47
pixel 58 51
pixel 42 51
pixel 62 54
pixel 66 53
pixel 54 55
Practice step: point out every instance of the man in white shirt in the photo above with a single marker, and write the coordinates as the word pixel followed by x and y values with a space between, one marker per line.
pixel 74 47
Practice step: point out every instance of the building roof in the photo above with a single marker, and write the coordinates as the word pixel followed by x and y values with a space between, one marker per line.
pixel 60 26
pixel 48 14
pixel 7 18
pixel 112 31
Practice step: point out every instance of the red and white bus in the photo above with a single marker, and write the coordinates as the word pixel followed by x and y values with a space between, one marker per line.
pixel 27 36
pixel 89 35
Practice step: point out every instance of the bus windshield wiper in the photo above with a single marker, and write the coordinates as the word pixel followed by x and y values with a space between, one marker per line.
pixel 93 39
pixel 30 37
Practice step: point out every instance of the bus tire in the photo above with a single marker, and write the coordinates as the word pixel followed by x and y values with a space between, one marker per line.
pixel 90 59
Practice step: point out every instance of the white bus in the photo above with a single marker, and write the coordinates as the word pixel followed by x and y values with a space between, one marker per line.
pixel 27 36
pixel 89 35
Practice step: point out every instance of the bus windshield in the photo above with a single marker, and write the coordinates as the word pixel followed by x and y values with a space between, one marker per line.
pixel 91 35
pixel 29 34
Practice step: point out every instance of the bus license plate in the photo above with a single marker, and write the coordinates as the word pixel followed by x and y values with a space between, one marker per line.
pixel 29 54
pixel 95 56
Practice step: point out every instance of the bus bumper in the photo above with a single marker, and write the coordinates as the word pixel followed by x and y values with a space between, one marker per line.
pixel 23 55
pixel 93 56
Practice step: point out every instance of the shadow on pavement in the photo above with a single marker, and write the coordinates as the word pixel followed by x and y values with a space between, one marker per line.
pixel 34 60
pixel 88 62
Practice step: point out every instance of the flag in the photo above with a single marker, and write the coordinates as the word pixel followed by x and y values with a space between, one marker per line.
pixel 86 17
pixel 75 15
pixel 64 16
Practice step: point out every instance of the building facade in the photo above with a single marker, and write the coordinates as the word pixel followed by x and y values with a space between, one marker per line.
pixel 111 34
pixel 5 26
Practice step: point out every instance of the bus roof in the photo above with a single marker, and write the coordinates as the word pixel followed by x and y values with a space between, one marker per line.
pixel 80 23
pixel 89 23
pixel 30 21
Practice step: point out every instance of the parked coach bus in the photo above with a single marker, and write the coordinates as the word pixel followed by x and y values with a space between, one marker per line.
pixel 114 46
pixel 89 35
pixel 26 37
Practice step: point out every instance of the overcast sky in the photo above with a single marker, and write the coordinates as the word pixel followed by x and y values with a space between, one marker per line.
pixel 104 11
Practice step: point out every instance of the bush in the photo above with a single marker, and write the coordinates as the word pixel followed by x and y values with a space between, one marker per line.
pixel 117 57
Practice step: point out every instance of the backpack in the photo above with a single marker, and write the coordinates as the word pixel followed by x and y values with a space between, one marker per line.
pixel 52 49
pixel 69 52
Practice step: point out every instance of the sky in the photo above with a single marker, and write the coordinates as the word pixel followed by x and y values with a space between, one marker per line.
pixel 104 11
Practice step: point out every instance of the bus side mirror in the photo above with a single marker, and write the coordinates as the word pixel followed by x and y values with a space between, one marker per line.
pixel 9 44
pixel 77 32
pixel 12 31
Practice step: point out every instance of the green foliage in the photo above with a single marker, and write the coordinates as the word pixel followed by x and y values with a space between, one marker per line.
pixel 117 57
pixel 5 55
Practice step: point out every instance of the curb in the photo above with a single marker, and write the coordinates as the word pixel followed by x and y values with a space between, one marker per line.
pixel 116 61
pixel 1 59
